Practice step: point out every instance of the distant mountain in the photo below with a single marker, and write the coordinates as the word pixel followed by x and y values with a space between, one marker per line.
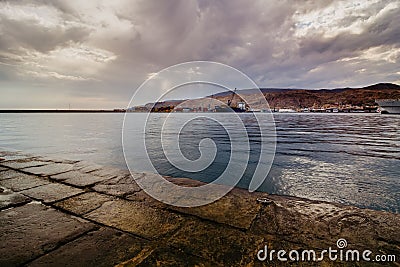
pixel 299 98
pixel 303 98
pixel 251 91
pixel 378 86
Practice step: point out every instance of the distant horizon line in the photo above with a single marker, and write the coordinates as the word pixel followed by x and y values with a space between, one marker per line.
pixel 46 110
pixel 110 110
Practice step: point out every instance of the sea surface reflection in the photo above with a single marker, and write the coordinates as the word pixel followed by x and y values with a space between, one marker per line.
pixel 345 158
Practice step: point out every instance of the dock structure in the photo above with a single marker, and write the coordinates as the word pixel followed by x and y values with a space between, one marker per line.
pixel 65 212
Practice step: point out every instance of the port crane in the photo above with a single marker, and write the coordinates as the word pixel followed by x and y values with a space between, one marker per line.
pixel 229 107
pixel 230 100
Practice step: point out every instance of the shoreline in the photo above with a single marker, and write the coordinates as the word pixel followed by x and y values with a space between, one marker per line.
pixel 61 111
pixel 5 111
pixel 68 206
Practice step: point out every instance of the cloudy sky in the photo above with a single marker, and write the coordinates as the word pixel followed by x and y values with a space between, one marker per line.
pixel 95 54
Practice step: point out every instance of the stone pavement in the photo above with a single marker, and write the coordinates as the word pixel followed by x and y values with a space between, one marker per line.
pixel 71 213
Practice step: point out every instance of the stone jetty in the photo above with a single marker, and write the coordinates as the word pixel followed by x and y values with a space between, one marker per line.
pixel 71 213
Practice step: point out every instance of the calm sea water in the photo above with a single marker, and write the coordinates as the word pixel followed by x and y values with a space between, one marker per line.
pixel 345 158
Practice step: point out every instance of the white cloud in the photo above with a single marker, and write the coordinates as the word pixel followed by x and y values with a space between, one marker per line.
pixel 46 16
pixel 389 54
pixel 75 63
pixel 339 17
pixel 53 74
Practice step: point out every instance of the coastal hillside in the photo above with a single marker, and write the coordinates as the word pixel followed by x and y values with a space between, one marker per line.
pixel 304 98
pixel 294 98
pixel 347 96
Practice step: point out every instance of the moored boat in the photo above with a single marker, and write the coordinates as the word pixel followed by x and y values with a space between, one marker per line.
pixel 391 106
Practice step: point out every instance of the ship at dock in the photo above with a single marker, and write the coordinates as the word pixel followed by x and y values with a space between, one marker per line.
pixel 229 107
pixel 391 106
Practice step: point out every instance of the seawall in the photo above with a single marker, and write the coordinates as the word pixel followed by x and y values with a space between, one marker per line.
pixel 54 212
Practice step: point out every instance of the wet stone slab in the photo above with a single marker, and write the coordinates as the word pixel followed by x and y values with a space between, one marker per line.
pixel 8 153
pixel 238 209
pixel 110 172
pixel 217 243
pixel 86 167
pixel 169 257
pixel 33 229
pixel 50 169
pixel 79 179
pixel 136 218
pixel 391 232
pixel 10 199
pixel 104 247
pixel 83 203
pixel 51 192
pixel 58 160
pixel 24 163
pixel 365 231
pixel 6 156
pixel 145 232
pixel 8 174
pixel 119 186
pixel 144 198
pixel 22 182
pixel 296 223
pixel 282 227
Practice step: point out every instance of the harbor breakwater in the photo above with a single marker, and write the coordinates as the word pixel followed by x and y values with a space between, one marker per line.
pixel 65 212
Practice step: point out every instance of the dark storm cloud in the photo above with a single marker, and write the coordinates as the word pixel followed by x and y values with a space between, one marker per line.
pixel 106 50
pixel 384 31
pixel 31 35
